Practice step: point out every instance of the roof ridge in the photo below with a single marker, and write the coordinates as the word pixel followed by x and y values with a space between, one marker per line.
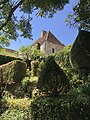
pixel 56 38
pixel 49 37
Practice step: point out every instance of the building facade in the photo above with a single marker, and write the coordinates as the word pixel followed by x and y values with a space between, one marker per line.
pixel 49 43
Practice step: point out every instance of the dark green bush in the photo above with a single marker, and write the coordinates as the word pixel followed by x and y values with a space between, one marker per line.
pixel 12 72
pixel 52 79
pixel 63 59
pixel 3 106
pixel 15 114
pixel 34 68
pixel 80 52
pixel 48 108
pixel 73 106
pixel 41 64
pixel 5 59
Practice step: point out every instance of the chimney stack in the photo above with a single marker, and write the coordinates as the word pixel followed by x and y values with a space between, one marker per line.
pixel 43 33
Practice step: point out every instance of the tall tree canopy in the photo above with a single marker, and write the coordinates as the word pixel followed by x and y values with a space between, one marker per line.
pixel 15 15
pixel 81 16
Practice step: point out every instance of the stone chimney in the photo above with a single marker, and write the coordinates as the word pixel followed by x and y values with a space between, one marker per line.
pixel 43 33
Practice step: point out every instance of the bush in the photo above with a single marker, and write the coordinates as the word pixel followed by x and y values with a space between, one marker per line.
pixel 63 59
pixel 52 79
pixel 48 108
pixel 23 104
pixel 12 72
pixel 5 59
pixel 3 106
pixel 15 114
pixel 34 68
pixel 73 106
pixel 80 52
pixel 41 64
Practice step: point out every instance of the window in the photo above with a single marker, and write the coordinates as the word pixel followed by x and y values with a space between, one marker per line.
pixel 52 50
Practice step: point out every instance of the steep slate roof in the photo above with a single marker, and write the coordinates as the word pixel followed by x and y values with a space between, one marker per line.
pixel 48 36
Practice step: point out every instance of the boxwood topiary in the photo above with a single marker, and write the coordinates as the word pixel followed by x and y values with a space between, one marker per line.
pixel 12 72
pixel 80 52
pixel 52 79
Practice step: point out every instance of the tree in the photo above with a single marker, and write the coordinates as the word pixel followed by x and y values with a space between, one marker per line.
pixel 31 52
pixel 52 79
pixel 4 41
pixel 11 23
pixel 81 15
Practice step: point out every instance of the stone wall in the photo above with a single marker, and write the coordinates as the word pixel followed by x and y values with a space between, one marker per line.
pixel 48 47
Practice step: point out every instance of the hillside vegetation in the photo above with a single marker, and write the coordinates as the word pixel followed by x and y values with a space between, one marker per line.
pixel 47 87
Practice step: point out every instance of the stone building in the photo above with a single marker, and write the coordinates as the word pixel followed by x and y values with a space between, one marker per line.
pixel 48 43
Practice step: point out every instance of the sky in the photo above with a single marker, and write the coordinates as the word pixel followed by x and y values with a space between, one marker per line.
pixel 56 25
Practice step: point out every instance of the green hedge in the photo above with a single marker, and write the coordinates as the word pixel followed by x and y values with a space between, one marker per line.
pixel 5 59
pixel 80 52
pixel 61 108
pixel 34 68
pixel 15 114
pixel 13 71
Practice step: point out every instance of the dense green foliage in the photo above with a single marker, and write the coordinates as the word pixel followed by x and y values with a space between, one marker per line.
pixel 81 15
pixel 11 23
pixel 52 97
pixel 74 106
pixel 12 72
pixel 63 59
pixel 15 114
pixel 31 52
pixel 4 41
pixel 52 79
pixel 34 68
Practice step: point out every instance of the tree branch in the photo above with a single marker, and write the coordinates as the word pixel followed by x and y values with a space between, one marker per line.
pixel 11 13
pixel 3 2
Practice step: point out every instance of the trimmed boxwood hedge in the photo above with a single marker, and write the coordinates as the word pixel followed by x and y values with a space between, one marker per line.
pixel 5 59
pixel 34 68
pixel 62 108
pixel 12 72
pixel 15 114
pixel 80 52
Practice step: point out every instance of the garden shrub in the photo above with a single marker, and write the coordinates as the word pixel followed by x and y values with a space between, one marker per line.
pixel 23 104
pixel 12 72
pixel 48 108
pixel 63 59
pixel 41 64
pixel 3 106
pixel 52 79
pixel 15 114
pixel 72 106
pixel 80 52
pixel 34 68
pixel 27 87
pixel 5 59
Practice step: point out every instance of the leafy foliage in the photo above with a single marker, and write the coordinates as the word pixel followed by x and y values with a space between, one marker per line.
pixel 11 23
pixel 4 41
pixel 15 114
pixel 34 68
pixel 64 61
pixel 74 106
pixel 81 16
pixel 31 52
